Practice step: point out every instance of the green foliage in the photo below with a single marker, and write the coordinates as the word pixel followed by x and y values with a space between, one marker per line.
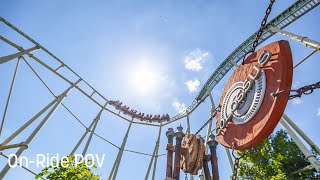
pixel 276 158
pixel 68 170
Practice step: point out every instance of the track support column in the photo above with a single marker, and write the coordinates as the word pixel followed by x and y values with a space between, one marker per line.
pixel 201 176
pixel 154 156
pixel 156 153
pixel 115 168
pixel 300 132
pixel 96 119
pixel 9 95
pixel 312 159
pixel 37 129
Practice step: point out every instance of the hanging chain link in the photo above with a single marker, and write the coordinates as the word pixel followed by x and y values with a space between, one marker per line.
pixel 236 163
pixel 306 90
pixel 260 31
pixel 209 120
pixel 235 168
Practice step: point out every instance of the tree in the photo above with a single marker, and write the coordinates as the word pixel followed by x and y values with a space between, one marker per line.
pixel 68 170
pixel 277 157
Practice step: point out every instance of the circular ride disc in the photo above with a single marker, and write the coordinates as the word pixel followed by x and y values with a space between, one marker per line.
pixel 254 119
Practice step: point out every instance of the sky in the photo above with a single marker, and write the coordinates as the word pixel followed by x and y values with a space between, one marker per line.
pixel 152 55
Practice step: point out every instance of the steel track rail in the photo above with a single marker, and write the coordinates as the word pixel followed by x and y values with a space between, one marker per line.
pixel 288 16
pixel 291 14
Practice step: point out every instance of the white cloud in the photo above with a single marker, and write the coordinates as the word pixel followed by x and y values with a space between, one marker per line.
pixel 194 60
pixel 318 111
pixel 193 85
pixel 180 107
pixel 297 101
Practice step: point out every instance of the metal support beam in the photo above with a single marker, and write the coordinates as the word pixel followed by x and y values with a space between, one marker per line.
pixel 229 158
pixel 213 106
pixel 9 96
pixel 304 40
pixel 96 119
pixel 12 136
pixel 35 132
pixel 300 132
pixel 188 132
pixel 82 137
pixel 156 153
pixel 311 158
pixel 188 123
pixel 5 59
pixel 115 168
pixel 150 164
pixel 13 146
pixel 201 176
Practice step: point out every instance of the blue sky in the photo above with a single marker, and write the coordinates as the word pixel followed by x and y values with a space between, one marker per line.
pixel 173 45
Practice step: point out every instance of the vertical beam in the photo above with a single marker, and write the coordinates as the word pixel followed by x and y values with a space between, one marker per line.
pixel 156 153
pixel 115 168
pixel 313 161
pixel 206 159
pixel 301 133
pixel 12 136
pixel 9 96
pixel 210 123
pixel 212 143
pixel 304 40
pixel 5 59
pixel 229 158
pixel 83 136
pixel 150 164
pixel 170 149
pixel 188 123
pixel 201 176
pixel 35 132
pixel 96 119
pixel 177 154
pixel 188 132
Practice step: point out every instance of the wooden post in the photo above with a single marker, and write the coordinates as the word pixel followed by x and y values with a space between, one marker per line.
pixel 176 170
pixel 170 149
pixel 206 159
pixel 212 143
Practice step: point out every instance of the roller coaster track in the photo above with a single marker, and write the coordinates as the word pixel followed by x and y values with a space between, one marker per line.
pixel 288 16
pixel 291 14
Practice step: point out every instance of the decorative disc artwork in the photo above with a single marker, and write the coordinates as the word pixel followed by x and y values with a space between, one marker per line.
pixel 248 112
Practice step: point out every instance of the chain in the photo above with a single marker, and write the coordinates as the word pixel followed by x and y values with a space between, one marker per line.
pixel 236 164
pixel 260 31
pixel 235 168
pixel 306 90
pixel 209 120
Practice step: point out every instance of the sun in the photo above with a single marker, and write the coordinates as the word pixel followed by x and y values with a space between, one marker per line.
pixel 144 79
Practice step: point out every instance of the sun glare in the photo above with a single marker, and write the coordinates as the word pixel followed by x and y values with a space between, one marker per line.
pixel 143 79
